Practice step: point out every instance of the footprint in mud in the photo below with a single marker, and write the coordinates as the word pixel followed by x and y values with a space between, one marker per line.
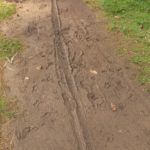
pixel 23 134
pixel 95 100
pixel 31 28
pixel 48 65
pixel 42 6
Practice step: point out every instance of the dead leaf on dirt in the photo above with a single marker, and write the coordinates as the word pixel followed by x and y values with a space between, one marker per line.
pixel 26 78
pixel 93 72
pixel 113 107
pixel 38 67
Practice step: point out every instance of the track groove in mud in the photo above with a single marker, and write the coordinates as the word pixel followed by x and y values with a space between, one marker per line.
pixel 64 105
pixel 67 83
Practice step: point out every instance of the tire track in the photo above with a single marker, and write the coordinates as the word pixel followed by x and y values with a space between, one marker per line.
pixel 67 84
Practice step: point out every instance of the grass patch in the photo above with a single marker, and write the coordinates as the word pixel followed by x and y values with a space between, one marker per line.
pixel 8 47
pixel 4 109
pixel 144 75
pixel 132 17
pixel 6 9
pixel 93 3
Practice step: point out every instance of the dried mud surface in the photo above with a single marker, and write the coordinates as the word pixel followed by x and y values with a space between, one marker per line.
pixel 72 91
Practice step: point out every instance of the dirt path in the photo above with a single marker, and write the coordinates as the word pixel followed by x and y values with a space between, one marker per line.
pixel 72 91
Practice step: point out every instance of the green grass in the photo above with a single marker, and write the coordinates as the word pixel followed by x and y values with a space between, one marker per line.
pixel 6 9
pixel 4 109
pixel 93 3
pixel 144 76
pixel 9 47
pixel 132 17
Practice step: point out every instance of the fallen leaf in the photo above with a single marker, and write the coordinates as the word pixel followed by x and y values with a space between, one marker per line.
pixel 113 107
pixel 26 78
pixel 38 67
pixel 93 72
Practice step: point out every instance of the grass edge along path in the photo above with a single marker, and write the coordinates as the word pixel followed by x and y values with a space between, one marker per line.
pixel 8 48
pixel 6 9
pixel 131 17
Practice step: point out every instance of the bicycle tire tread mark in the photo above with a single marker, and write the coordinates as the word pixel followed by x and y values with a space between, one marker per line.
pixel 67 84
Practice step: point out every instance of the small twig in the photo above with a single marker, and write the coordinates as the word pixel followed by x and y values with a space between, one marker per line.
pixel 11 59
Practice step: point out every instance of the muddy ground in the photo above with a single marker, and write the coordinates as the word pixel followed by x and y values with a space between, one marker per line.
pixel 73 93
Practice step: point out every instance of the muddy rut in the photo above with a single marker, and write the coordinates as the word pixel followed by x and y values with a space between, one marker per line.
pixel 72 91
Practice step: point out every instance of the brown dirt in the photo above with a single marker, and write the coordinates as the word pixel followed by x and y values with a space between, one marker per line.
pixel 73 92
pixel 1 92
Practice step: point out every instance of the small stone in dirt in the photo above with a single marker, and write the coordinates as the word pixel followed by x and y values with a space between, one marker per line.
pixel 120 131
pixel 21 7
pixel 113 107
pixel 93 72
pixel 26 78
pixel 39 68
